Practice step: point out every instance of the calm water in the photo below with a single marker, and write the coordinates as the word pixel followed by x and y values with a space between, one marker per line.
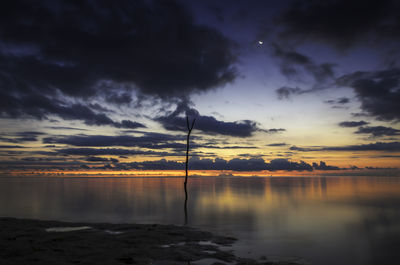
pixel 325 220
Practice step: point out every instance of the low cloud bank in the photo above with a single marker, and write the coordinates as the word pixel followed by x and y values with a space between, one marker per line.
pixel 236 164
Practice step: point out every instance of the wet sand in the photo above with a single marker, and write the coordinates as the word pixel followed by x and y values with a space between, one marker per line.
pixel 25 242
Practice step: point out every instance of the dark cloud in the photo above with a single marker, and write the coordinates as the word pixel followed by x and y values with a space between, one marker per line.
pixel 255 164
pixel 11 146
pixel 118 99
pixel 250 155
pixel 114 160
pixel 277 144
pixel 99 108
pixel 71 46
pixel 40 107
pixel 284 164
pixel 378 131
pixel 236 164
pixel 63 158
pixel 96 159
pixel 154 141
pixel 127 124
pixel 386 156
pixel 275 130
pixel 352 123
pixel 299 67
pixel 285 92
pixel 176 121
pixel 28 136
pixel 339 101
pixel 341 23
pixel 42 159
pixel 323 166
pixel 378 92
pixel 378 146
pixel 161 164
pixel 101 159
pixel 109 151
pixel 8 140
pixel 294 65
pixel 64 128
pixel 251 164
pixel 342 100
pixel 85 49
pixel 20 137
pixel 148 140
pixel 217 12
pixel 221 146
pixel 29 133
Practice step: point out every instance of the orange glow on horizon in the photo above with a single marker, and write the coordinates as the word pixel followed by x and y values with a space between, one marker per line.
pixel 200 173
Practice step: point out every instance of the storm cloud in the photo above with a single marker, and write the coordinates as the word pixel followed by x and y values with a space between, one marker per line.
pixel 378 131
pixel 343 25
pixel 340 22
pixel 148 140
pixel 51 50
pixel 378 92
pixel 294 65
pixel 38 106
pixel 350 124
pixel 176 121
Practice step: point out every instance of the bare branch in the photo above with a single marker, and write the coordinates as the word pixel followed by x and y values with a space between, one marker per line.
pixel 191 127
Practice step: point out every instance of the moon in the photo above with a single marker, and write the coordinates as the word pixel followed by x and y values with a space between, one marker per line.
pixel 260 42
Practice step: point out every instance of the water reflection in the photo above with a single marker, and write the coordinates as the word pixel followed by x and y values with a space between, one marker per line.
pixel 333 220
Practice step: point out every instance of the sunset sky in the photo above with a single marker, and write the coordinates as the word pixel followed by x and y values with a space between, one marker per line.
pixel 104 86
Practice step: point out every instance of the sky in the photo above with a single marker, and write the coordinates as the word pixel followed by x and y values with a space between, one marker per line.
pixel 274 86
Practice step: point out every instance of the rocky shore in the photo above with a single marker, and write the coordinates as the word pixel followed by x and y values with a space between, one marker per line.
pixel 51 242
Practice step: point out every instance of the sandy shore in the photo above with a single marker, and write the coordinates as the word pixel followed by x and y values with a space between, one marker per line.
pixel 49 242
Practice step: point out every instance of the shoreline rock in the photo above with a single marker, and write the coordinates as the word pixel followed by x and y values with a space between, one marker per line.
pixel 24 241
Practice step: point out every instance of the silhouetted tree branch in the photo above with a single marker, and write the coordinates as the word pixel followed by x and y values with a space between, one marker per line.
pixel 187 145
pixel 190 128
